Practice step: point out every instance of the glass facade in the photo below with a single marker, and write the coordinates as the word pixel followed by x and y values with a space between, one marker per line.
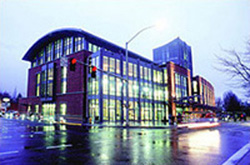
pixel 143 85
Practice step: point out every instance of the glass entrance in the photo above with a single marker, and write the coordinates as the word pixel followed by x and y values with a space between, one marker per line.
pixel 48 111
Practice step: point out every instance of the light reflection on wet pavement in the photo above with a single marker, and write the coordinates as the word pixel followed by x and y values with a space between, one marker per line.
pixel 26 143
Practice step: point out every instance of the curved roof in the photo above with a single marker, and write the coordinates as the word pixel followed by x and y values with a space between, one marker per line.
pixel 67 32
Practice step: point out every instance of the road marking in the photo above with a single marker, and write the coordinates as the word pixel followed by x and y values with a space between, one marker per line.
pixel 238 155
pixel 8 152
pixel 60 146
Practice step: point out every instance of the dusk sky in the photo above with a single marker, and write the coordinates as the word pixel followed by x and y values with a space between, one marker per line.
pixel 207 26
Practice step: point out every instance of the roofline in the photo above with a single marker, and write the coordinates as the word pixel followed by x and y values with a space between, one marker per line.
pixel 171 42
pixel 65 32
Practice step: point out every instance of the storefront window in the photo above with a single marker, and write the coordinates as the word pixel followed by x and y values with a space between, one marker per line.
pixel 105 109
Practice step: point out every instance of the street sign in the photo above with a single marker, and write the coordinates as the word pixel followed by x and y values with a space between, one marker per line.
pixel 64 62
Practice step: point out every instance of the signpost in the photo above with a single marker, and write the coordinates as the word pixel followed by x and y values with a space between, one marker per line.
pixel 64 62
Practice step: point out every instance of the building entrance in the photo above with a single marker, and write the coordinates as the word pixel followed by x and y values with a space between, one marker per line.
pixel 48 111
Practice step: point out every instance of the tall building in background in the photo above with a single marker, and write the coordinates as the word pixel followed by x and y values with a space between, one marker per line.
pixel 176 51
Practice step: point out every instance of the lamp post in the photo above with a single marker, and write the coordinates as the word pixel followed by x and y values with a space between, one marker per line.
pixel 126 53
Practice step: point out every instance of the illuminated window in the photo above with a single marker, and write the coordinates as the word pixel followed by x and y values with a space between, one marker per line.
pixel 130 69
pixel 118 110
pixel 90 47
pixel 105 63
pixel 155 76
pixel 58 49
pixel 41 61
pixel 145 73
pixel 105 109
pixel 63 80
pixel 141 72
pixel 38 79
pixel 105 84
pixel 124 68
pixel 166 93
pixel 195 85
pixel 124 88
pixel 165 76
pixel 63 109
pixel 112 109
pixel 136 89
pixel 112 85
pixel 118 87
pixel 37 108
pixel 67 46
pixel 112 64
pixel 177 79
pixel 118 70
pixel 130 92
pixel 149 74
pixel 135 70
pixel 79 44
pixel 48 52
pixel 33 63
pixel 43 83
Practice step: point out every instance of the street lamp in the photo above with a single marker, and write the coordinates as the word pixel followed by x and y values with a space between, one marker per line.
pixel 126 53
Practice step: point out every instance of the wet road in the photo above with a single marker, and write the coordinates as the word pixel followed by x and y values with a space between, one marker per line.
pixel 24 142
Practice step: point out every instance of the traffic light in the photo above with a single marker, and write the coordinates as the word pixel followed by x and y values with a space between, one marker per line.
pixel 72 64
pixel 93 71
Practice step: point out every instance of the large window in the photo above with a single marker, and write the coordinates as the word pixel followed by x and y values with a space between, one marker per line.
pixel 41 59
pixel 130 69
pixel 105 84
pixel 141 72
pixel 118 70
pixel 124 68
pixel 63 80
pixel 149 74
pixel 38 79
pixel 79 44
pixel 63 109
pixel 145 73
pixel 50 82
pixel 43 83
pixel 111 85
pixel 112 65
pixel 105 109
pixel 58 46
pixel 67 46
pixel 34 63
pixel 135 70
pixel 49 52
pixel 105 63
pixel 118 87
pixel 130 92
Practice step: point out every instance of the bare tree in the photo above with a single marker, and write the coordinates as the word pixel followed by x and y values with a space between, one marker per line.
pixel 237 66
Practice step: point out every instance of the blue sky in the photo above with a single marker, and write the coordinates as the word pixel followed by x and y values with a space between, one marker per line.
pixel 207 26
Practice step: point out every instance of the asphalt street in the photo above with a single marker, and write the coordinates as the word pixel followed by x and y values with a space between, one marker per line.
pixel 25 142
